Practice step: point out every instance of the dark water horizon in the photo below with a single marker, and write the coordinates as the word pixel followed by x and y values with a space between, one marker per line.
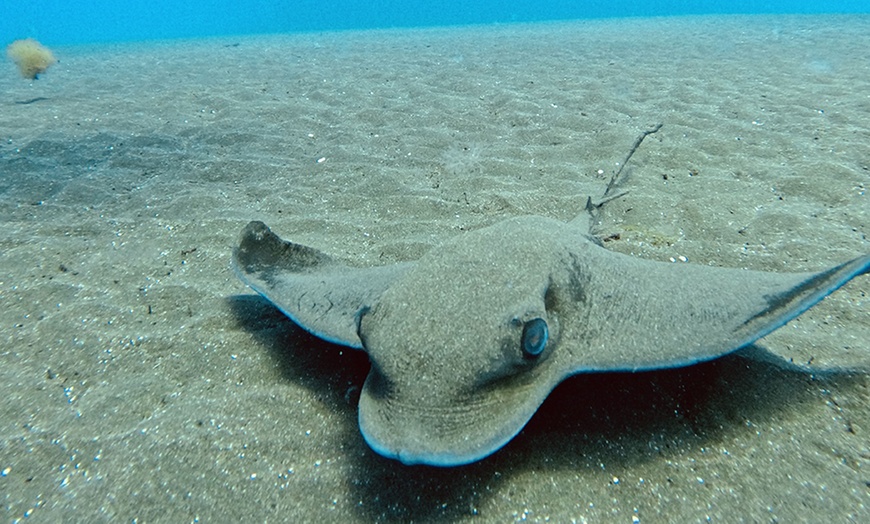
pixel 57 22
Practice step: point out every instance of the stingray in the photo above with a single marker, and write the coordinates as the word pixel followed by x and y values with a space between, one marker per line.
pixel 467 342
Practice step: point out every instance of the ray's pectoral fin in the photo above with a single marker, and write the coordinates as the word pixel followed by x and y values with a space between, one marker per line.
pixel 321 295
pixel 783 306
pixel 656 315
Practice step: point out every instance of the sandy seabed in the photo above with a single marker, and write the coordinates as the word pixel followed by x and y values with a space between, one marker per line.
pixel 141 381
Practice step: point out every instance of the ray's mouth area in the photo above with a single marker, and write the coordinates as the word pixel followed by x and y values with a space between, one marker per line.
pixel 453 433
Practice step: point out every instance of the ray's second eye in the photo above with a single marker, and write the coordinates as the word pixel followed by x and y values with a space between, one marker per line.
pixel 534 338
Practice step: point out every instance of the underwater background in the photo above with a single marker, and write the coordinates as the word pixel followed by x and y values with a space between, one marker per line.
pixel 141 381
pixel 57 22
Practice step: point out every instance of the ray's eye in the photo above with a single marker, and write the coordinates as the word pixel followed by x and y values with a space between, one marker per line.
pixel 534 338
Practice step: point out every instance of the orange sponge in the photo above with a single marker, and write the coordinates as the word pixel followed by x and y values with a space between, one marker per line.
pixel 31 57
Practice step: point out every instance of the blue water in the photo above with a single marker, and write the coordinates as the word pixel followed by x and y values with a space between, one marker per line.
pixel 57 22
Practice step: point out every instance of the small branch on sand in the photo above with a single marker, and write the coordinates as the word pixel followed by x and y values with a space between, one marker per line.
pixel 615 179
